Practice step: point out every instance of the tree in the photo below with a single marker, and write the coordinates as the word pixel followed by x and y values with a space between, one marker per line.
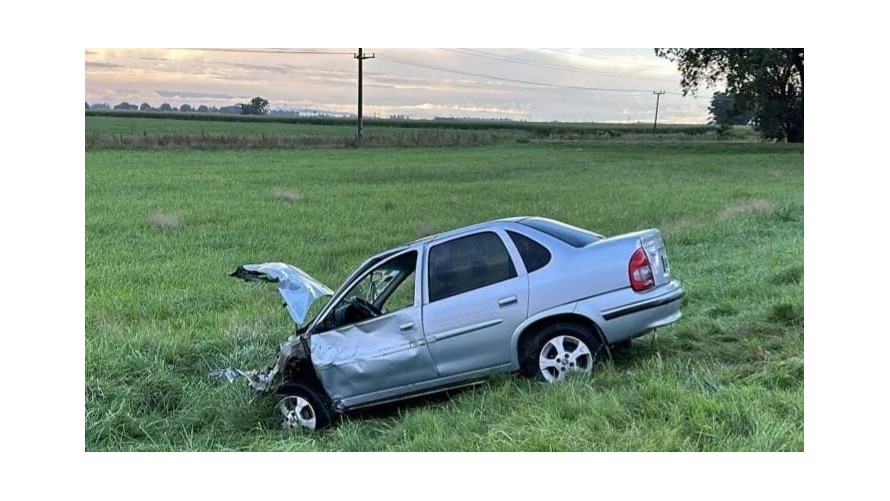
pixel 166 107
pixel 88 105
pixel 125 106
pixel 185 108
pixel 769 81
pixel 723 111
pixel 257 106
pixel 203 109
pixel 144 107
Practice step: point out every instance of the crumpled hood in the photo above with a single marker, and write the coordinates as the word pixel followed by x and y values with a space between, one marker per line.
pixel 298 289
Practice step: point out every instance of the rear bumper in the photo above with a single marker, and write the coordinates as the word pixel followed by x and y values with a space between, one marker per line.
pixel 648 304
pixel 625 314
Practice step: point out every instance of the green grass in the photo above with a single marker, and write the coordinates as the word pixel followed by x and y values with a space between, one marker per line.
pixel 163 228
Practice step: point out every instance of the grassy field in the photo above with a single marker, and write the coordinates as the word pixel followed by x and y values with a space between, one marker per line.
pixel 164 227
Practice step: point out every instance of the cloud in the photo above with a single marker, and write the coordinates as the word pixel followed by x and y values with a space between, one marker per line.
pixel 100 64
pixel 184 94
pixel 262 68
pixel 154 59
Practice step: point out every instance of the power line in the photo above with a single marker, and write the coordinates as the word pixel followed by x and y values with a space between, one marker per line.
pixel 605 58
pixel 480 75
pixel 469 52
pixel 554 66
pixel 270 51
pixel 512 80
pixel 530 62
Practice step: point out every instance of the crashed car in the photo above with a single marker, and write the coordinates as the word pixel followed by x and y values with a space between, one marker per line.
pixel 525 294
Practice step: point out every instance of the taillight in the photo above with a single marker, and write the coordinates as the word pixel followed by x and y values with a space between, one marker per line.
pixel 640 272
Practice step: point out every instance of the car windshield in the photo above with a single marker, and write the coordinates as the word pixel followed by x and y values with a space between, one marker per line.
pixel 574 236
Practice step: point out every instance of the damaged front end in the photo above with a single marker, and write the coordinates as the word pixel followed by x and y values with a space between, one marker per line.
pixel 298 289
pixel 293 373
pixel 293 364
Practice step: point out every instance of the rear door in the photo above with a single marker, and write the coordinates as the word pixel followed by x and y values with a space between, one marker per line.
pixel 474 299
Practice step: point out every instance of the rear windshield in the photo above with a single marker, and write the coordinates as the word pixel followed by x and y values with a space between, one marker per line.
pixel 576 237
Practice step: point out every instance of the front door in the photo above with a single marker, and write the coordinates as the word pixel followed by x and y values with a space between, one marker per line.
pixel 372 340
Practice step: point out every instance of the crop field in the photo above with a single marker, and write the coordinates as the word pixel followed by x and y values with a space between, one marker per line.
pixel 156 130
pixel 114 132
pixel 165 226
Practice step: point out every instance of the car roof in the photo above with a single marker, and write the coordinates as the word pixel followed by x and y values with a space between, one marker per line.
pixel 494 223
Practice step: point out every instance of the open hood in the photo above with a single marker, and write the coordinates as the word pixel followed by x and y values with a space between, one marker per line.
pixel 297 288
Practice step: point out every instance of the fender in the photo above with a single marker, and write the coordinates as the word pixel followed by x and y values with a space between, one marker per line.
pixel 563 309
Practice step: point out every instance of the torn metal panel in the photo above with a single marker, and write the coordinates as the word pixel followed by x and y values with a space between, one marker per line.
pixel 386 351
pixel 290 351
pixel 298 289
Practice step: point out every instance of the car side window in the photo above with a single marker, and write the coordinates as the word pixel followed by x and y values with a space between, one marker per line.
pixel 468 263
pixel 534 255
pixel 387 288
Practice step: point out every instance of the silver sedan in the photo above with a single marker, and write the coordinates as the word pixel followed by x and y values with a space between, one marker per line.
pixel 525 294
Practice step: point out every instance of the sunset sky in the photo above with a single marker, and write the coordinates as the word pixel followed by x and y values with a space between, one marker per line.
pixel 564 84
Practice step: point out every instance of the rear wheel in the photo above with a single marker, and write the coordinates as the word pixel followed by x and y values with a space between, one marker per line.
pixel 559 349
pixel 303 408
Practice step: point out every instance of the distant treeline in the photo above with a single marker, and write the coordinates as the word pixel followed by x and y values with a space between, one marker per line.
pixel 538 129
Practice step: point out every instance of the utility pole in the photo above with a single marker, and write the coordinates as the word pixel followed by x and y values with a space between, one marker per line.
pixel 658 94
pixel 361 57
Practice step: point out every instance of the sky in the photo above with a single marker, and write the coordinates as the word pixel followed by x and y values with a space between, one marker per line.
pixel 534 84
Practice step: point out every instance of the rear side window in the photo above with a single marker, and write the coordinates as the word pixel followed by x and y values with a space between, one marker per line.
pixel 468 263
pixel 574 236
pixel 534 255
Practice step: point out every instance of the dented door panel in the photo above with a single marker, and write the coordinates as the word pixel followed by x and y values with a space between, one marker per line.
pixel 373 355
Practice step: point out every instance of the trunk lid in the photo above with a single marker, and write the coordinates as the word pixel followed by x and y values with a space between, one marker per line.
pixel 623 246
pixel 652 242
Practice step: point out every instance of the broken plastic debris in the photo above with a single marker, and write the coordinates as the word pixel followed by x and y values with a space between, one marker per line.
pixel 259 381
pixel 229 374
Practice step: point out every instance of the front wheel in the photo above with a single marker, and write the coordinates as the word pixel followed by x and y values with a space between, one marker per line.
pixel 559 349
pixel 302 408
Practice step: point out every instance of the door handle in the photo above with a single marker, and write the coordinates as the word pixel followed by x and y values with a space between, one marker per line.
pixel 406 327
pixel 507 301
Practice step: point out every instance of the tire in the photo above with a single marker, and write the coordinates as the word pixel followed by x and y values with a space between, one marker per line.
pixel 303 408
pixel 559 349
